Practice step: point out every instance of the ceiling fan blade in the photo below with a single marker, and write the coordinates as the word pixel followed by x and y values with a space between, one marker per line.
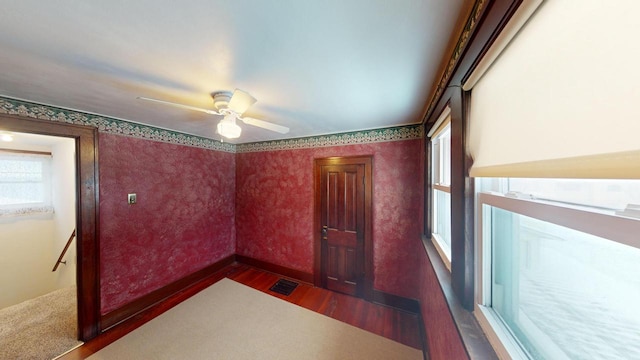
pixel 240 101
pixel 265 125
pixel 182 106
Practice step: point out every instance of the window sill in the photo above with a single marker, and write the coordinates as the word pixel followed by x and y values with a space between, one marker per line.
pixel 473 338
pixel 34 213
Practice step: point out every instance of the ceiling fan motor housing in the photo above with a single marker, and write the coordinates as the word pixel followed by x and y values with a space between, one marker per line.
pixel 221 100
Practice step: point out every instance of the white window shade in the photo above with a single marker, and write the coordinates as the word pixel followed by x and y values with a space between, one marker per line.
pixel 561 100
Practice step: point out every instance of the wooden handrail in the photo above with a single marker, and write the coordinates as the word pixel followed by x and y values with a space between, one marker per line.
pixel 64 251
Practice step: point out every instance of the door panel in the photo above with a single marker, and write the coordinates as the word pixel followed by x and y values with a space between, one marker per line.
pixel 332 266
pixel 332 200
pixel 350 195
pixel 342 208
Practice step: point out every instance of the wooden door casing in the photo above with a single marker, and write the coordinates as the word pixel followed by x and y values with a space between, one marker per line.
pixel 343 258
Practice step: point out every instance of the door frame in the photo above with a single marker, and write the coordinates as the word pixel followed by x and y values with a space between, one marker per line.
pixel 367 161
pixel 87 246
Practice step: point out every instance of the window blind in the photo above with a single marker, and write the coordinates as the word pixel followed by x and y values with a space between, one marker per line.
pixel 560 100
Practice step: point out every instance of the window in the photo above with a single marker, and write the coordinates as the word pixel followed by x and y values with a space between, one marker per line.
pixel 558 267
pixel 441 186
pixel 25 183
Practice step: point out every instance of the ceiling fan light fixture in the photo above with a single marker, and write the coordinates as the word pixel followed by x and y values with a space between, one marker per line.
pixel 228 128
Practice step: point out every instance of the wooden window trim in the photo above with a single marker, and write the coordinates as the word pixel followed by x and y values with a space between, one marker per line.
pixel 487 20
pixel 443 188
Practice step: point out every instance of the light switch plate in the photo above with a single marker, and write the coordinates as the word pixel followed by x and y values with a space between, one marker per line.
pixel 131 198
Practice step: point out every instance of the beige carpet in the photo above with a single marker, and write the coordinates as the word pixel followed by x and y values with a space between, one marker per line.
pixel 40 328
pixel 229 320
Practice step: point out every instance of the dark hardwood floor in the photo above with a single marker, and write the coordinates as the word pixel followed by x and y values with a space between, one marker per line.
pixel 394 324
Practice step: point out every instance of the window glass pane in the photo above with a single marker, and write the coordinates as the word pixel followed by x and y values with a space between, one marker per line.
pixel 435 161
pixel 441 157
pixel 442 219
pixel 21 193
pixel 489 185
pixel 446 156
pixel 610 194
pixel 564 293
pixel 441 174
pixel 25 184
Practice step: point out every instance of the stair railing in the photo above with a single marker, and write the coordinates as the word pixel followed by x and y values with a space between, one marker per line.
pixel 64 251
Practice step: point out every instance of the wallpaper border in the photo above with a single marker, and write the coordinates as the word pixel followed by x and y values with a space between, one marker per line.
pixel 126 128
pixel 109 125
pixel 407 132
pixel 461 44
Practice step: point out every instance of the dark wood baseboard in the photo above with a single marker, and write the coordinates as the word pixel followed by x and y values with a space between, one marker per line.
pixel 276 269
pixel 397 302
pixel 139 305
pixel 380 297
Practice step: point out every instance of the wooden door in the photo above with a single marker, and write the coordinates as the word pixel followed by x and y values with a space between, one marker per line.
pixel 342 207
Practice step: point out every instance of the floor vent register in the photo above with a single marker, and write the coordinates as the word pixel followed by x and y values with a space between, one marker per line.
pixel 284 287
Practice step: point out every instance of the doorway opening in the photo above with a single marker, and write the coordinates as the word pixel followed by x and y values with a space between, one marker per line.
pixel 85 213
pixel 38 305
pixel 37 215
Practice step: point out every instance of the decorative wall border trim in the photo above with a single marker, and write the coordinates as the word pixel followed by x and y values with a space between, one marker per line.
pixel 469 27
pixel 109 125
pixel 407 132
pixel 125 128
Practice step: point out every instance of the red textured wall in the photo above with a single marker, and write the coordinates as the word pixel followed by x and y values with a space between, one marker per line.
pixel 275 200
pixel 443 339
pixel 183 221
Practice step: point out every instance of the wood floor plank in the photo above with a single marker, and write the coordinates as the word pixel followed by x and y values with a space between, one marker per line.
pixel 381 320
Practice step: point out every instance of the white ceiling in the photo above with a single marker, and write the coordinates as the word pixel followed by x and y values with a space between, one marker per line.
pixel 318 67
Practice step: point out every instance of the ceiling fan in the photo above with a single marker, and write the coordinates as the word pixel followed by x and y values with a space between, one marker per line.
pixel 231 106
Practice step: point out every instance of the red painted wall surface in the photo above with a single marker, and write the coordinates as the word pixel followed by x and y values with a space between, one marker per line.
pixel 275 204
pixel 183 221
pixel 443 339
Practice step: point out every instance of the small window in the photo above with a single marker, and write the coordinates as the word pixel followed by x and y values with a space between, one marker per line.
pixel 441 188
pixel 558 267
pixel 25 183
